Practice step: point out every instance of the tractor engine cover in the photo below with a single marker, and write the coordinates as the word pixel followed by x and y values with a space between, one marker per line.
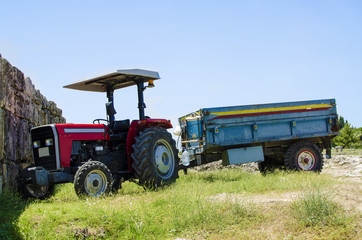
pixel 52 144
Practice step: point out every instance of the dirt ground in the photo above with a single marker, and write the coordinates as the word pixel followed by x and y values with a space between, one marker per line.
pixel 346 169
pixel 349 170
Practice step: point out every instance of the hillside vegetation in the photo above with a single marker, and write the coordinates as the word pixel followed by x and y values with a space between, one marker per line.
pixel 217 204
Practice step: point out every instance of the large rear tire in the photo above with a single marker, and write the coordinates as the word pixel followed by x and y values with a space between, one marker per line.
pixel 155 158
pixel 93 179
pixel 304 156
pixel 33 190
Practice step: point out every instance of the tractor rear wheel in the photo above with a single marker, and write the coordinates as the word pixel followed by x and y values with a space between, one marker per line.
pixel 33 190
pixel 304 156
pixel 155 158
pixel 93 179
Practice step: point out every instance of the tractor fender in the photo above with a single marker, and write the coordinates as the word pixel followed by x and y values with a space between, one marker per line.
pixel 137 126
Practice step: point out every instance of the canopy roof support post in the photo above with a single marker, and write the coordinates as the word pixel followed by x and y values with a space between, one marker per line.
pixel 110 109
pixel 141 104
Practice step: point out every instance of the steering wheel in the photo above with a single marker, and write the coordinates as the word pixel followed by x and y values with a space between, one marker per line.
pixel 99 121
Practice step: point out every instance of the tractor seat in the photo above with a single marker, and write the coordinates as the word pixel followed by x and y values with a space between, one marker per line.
pixel 121 126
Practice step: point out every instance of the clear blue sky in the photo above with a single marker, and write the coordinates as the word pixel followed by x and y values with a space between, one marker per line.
pixel 208 53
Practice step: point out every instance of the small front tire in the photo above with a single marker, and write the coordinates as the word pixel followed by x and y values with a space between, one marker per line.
pixel 93 179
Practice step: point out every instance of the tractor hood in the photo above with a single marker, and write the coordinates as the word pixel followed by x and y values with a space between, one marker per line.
pixel 120 79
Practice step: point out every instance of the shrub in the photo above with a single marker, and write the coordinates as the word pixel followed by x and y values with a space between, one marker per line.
pixel 316 208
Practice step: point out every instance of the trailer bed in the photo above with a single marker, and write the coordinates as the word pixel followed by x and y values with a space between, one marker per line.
pixel 211 130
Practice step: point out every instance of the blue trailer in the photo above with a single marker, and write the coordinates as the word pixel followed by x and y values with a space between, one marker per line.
pixel 288 135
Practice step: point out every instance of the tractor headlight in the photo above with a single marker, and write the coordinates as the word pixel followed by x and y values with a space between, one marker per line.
pixel 36 144
pixel 49 142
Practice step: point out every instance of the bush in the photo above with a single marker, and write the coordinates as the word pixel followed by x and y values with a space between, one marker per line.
pixel 316 208
pixel 349 137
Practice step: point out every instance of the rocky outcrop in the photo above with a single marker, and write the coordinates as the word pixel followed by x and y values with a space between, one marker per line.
pixel 22 107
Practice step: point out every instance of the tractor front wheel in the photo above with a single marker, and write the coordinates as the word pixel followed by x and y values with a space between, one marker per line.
pixel 93 179
pixel 155 158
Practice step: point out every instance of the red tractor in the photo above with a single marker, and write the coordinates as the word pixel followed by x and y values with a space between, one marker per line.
pixel 98 157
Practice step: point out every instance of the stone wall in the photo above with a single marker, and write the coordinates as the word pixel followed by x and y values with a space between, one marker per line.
pixel 22 107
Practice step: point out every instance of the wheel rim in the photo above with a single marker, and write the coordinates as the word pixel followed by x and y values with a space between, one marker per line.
pixel 306 160
pixel 164 158
pixel 36 190
pixel 95 183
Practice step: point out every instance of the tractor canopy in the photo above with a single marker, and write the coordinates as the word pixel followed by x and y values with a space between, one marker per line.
pixel 120 79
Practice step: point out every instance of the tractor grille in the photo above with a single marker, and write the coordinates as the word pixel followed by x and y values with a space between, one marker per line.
pixel 44 147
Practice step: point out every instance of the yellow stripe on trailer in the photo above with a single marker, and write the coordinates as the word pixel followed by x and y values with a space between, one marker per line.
pixel 264 110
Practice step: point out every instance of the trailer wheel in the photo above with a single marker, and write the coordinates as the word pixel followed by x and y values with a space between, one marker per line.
pixel 93 179
pixel 304 156
pixel 155 158
pixel 31 190
pixel 267 166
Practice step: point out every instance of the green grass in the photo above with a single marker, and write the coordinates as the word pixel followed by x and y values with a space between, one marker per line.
pixel 236 181
pixel 182 210
pixel 351 151
pixel 11 206
pixel 317 208
pixel 318 213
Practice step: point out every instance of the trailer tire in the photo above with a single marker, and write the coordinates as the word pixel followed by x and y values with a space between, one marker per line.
pixel 304 156
pixel 155 158
pixel 93 179
pixel 31 190
pixel 268 166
